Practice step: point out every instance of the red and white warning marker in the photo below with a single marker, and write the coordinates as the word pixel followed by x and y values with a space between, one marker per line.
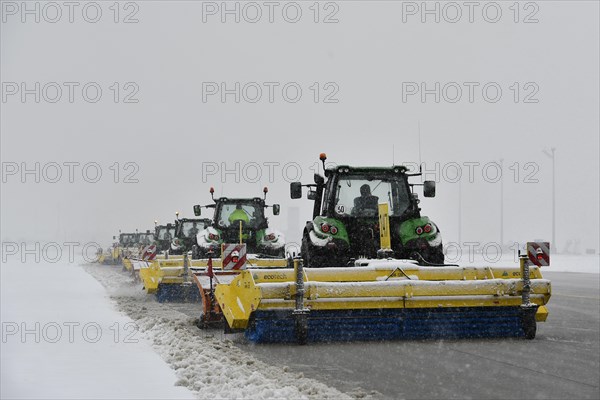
pixel 149 253
pixel 539 253
pixel 234 256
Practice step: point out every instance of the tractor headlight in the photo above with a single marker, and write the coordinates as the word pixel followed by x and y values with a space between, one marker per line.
pixel 326 228
pixel 270 237
pixel 427 228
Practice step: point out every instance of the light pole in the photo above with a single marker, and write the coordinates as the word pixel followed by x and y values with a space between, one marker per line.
pixel 459 211
pixel 502 203
pixel 551 155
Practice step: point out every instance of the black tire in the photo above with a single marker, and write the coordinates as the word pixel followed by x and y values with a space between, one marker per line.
pixel 434 255
pixel 280 253
pixel 308 254
pixel 304 251
pixel 431 256
pixel 314 261
pixel 195 252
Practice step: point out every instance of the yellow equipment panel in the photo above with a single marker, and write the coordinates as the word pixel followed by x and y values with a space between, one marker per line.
pixel 384 226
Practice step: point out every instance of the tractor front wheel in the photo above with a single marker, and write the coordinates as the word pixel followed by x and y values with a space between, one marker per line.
pixel 195 252
pixel 308 254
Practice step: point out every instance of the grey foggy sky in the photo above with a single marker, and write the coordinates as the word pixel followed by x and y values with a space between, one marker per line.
pixel 368 54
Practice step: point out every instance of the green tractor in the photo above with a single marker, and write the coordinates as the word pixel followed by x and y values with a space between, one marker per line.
pixel 346 225
pixel 163 234
pixel 186 230
pixel 127 239
pixel 239 220
pixel 130 243
pixel 145 238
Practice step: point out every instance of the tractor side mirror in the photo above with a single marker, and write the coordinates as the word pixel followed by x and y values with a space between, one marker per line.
pixel 197 210
pixel 296 190
pixel 311 195
pixel 429 188
pixel 319 180
pixel 114 237
pixel 169 226
pixel 276 209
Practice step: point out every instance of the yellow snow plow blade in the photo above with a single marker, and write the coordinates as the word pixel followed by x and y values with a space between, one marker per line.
pixel 381 299
pixel 127 264
pixel 172 270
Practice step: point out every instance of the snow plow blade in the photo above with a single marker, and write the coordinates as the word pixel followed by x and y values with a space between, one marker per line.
pixel 383 300
pixel 169 279
pixel 106 259
pixel 108 256
pixel 207 281
pixel 177 279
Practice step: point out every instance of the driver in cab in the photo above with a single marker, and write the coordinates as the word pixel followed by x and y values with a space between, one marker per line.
pixel 366 202
pixel 238 215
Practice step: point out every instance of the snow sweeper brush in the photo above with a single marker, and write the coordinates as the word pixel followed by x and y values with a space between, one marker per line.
pixel 384 300
pixel 170 278
pixel 183 279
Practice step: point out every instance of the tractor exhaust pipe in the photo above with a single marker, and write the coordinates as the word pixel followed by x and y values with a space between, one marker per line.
pixel 300 313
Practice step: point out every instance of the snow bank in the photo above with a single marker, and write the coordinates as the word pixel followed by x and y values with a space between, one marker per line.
pixel 62 338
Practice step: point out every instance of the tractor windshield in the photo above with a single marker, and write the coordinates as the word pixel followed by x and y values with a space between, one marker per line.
pixel 166 234
pixel 360 195
pixel 249 212
pixel 191 228
pixel 127 239
pixel 146 238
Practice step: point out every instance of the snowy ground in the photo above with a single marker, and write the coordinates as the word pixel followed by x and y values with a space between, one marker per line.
pixel 89 331
pixel 202 364
pixel 62 338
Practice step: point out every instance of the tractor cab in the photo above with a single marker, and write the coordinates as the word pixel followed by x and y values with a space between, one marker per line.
pixel 185 232
pixel 347 210
pixel 231 213
pixel 145 238
pixel 240 220
pixel 164 234
pixel 127 239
